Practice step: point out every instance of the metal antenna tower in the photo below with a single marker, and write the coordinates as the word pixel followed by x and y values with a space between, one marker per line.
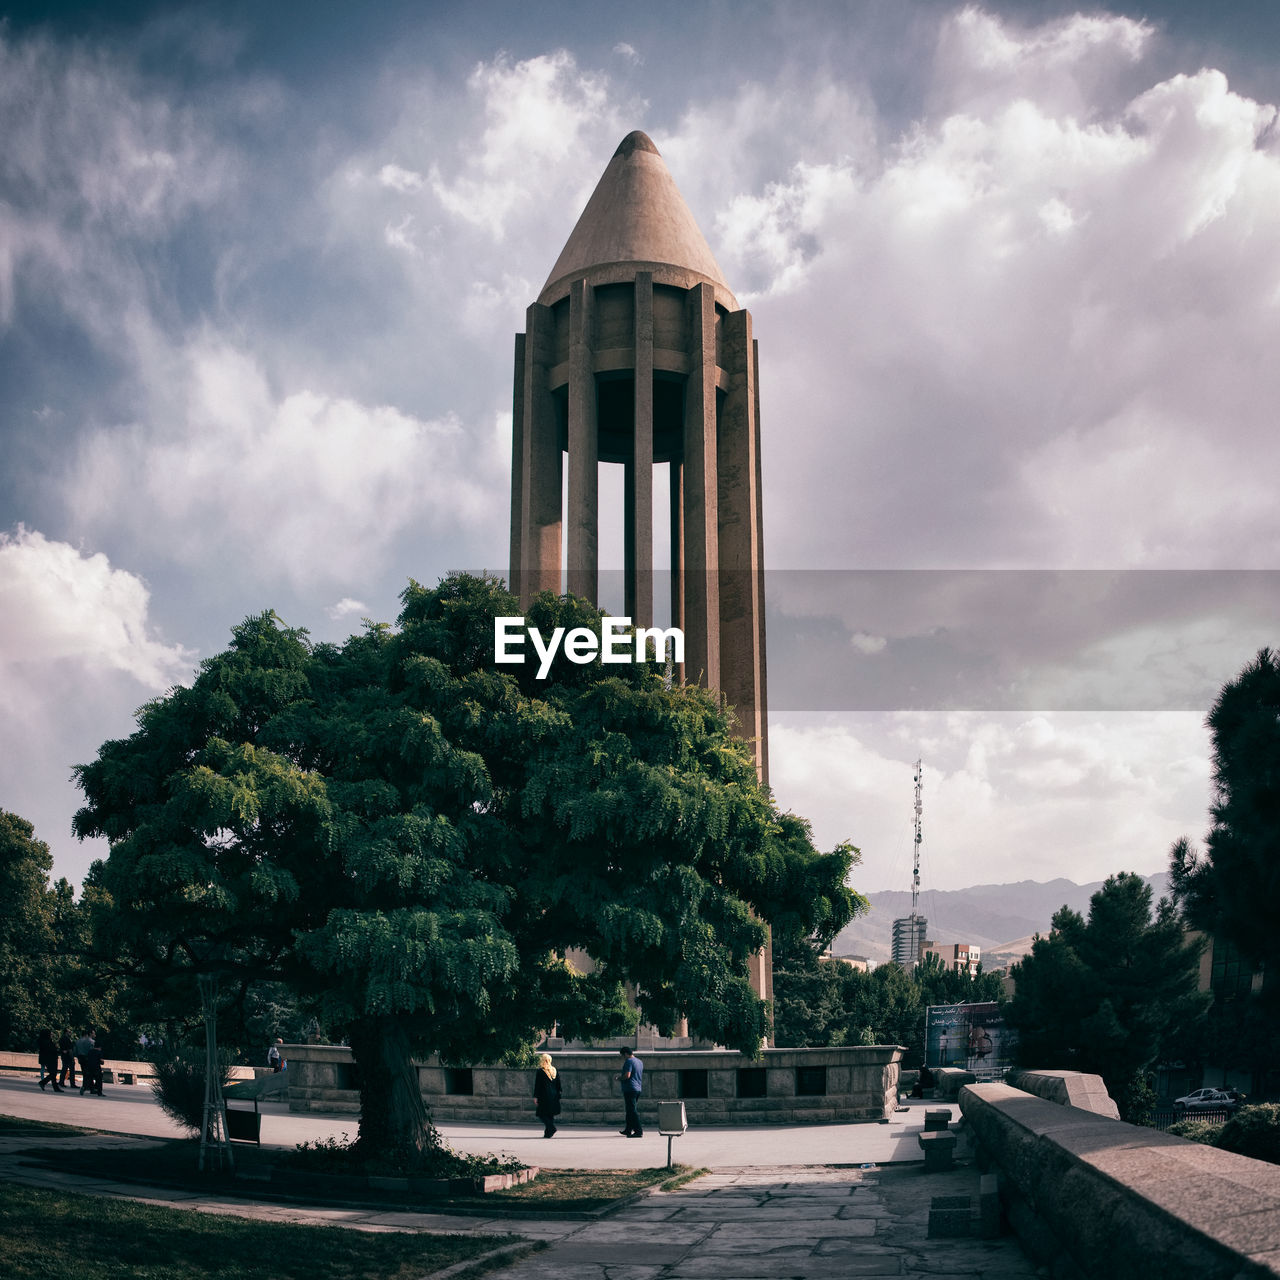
pixel 915 877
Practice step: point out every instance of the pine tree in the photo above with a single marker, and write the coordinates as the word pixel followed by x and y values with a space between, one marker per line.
pixel 1106 995
pixel 1230 888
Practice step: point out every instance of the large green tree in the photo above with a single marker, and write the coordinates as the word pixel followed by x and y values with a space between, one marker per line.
pixel 418 837
pixel 1106 995
pixel 1231 887
pixel 28 954
pixel 45 980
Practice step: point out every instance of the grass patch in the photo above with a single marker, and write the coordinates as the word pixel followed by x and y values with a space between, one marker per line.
pixel 683 1173
pixel 583 1190
pixel 173 1162
pixel 15 1127
pixel 45 1233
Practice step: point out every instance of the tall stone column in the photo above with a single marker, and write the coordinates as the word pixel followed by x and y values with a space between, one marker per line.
pixel 638 517
pixel 701 497
pixel 584 455
pixel 539 480
pixel 740 540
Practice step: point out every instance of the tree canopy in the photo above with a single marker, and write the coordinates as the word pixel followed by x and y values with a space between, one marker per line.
pixel 1230 889
pixel 418 838
pixel 27 950
pixel 821 1002
pixel 1107 995
pixel 44 980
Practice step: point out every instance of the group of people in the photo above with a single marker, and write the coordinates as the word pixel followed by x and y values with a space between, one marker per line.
pixel 85 1051
pixel 547 1090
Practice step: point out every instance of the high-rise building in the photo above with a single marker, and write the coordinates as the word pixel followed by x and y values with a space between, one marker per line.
pixel 909 937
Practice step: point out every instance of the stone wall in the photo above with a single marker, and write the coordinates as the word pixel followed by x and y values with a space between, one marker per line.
pixel 1068 1089
pixel 948 1081
pixel 1093 1198
pixel 784 1086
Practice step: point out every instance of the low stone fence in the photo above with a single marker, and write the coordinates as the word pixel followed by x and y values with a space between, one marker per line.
pixel 784 1086
pixel 948 1081
pixel 1067 1088
pixel 1094 1198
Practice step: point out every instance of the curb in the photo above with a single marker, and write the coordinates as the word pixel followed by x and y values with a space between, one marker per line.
pixel 484 1260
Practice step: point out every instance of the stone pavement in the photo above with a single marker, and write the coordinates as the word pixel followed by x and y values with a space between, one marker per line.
pixel 801 1222
pixel 132 1109
pixel 754 1220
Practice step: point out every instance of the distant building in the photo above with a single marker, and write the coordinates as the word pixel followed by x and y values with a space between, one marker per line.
pixel 963 957
pixel 861 963
pixel 909 934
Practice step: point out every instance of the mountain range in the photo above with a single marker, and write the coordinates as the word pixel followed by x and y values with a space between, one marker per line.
pixel 999 918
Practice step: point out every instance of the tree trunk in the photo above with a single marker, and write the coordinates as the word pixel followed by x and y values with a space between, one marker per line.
pixel 394 1124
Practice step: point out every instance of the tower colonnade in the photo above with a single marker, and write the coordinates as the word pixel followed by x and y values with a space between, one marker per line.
pixel 636 352
pixel 643 360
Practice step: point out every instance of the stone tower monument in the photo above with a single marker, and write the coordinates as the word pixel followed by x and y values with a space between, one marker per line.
pixel 637 352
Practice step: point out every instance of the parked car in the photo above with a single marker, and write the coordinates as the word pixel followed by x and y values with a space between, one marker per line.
pixel 1206 1100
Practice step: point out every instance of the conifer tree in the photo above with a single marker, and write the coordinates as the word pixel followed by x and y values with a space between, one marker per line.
pixel 1230 889
pixel 1105 995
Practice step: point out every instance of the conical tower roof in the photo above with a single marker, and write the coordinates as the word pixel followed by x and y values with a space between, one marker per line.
pixel 636 215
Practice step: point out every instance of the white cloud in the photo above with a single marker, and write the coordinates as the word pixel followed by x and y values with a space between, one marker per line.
pixel 346 608
pixel 868 644
pixel 540 115
pixel 1006 797
pixel 398 179
pixel 628 53
pixel 59 605
pixel 307 486
pixel 1030 333
pixel 78 652
pixel 400 236
pixel 1069 64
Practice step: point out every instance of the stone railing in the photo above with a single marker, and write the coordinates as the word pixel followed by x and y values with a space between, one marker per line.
pixel 1094 1198
pixel 1067 1088
pixel 784 1086
pixel 948 1081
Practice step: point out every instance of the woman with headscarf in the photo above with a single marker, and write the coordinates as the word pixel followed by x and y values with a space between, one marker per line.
pixel 546 1094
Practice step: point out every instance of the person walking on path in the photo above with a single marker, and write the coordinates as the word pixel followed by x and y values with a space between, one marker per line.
pixel 84 1054
pixel 275 1055
pixel 67 1049
pixel 47 1052
pixel 631 1078
pixel 95 1060
pixel 546 1094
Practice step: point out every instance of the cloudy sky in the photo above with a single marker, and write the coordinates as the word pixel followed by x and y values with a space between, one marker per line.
pixel 1015 275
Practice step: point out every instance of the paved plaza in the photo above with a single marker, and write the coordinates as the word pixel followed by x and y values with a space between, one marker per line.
pixel 772 1205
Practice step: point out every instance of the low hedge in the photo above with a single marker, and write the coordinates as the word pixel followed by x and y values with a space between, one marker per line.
pixel 1253 1131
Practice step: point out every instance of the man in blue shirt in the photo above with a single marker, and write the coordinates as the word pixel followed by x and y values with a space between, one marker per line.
pixel 631 1078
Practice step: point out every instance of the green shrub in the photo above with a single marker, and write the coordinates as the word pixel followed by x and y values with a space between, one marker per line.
pixel 179 1084
pixel 1203 1131
pixel 1135 1097
pixel 336 1155
pixel 1254 1131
